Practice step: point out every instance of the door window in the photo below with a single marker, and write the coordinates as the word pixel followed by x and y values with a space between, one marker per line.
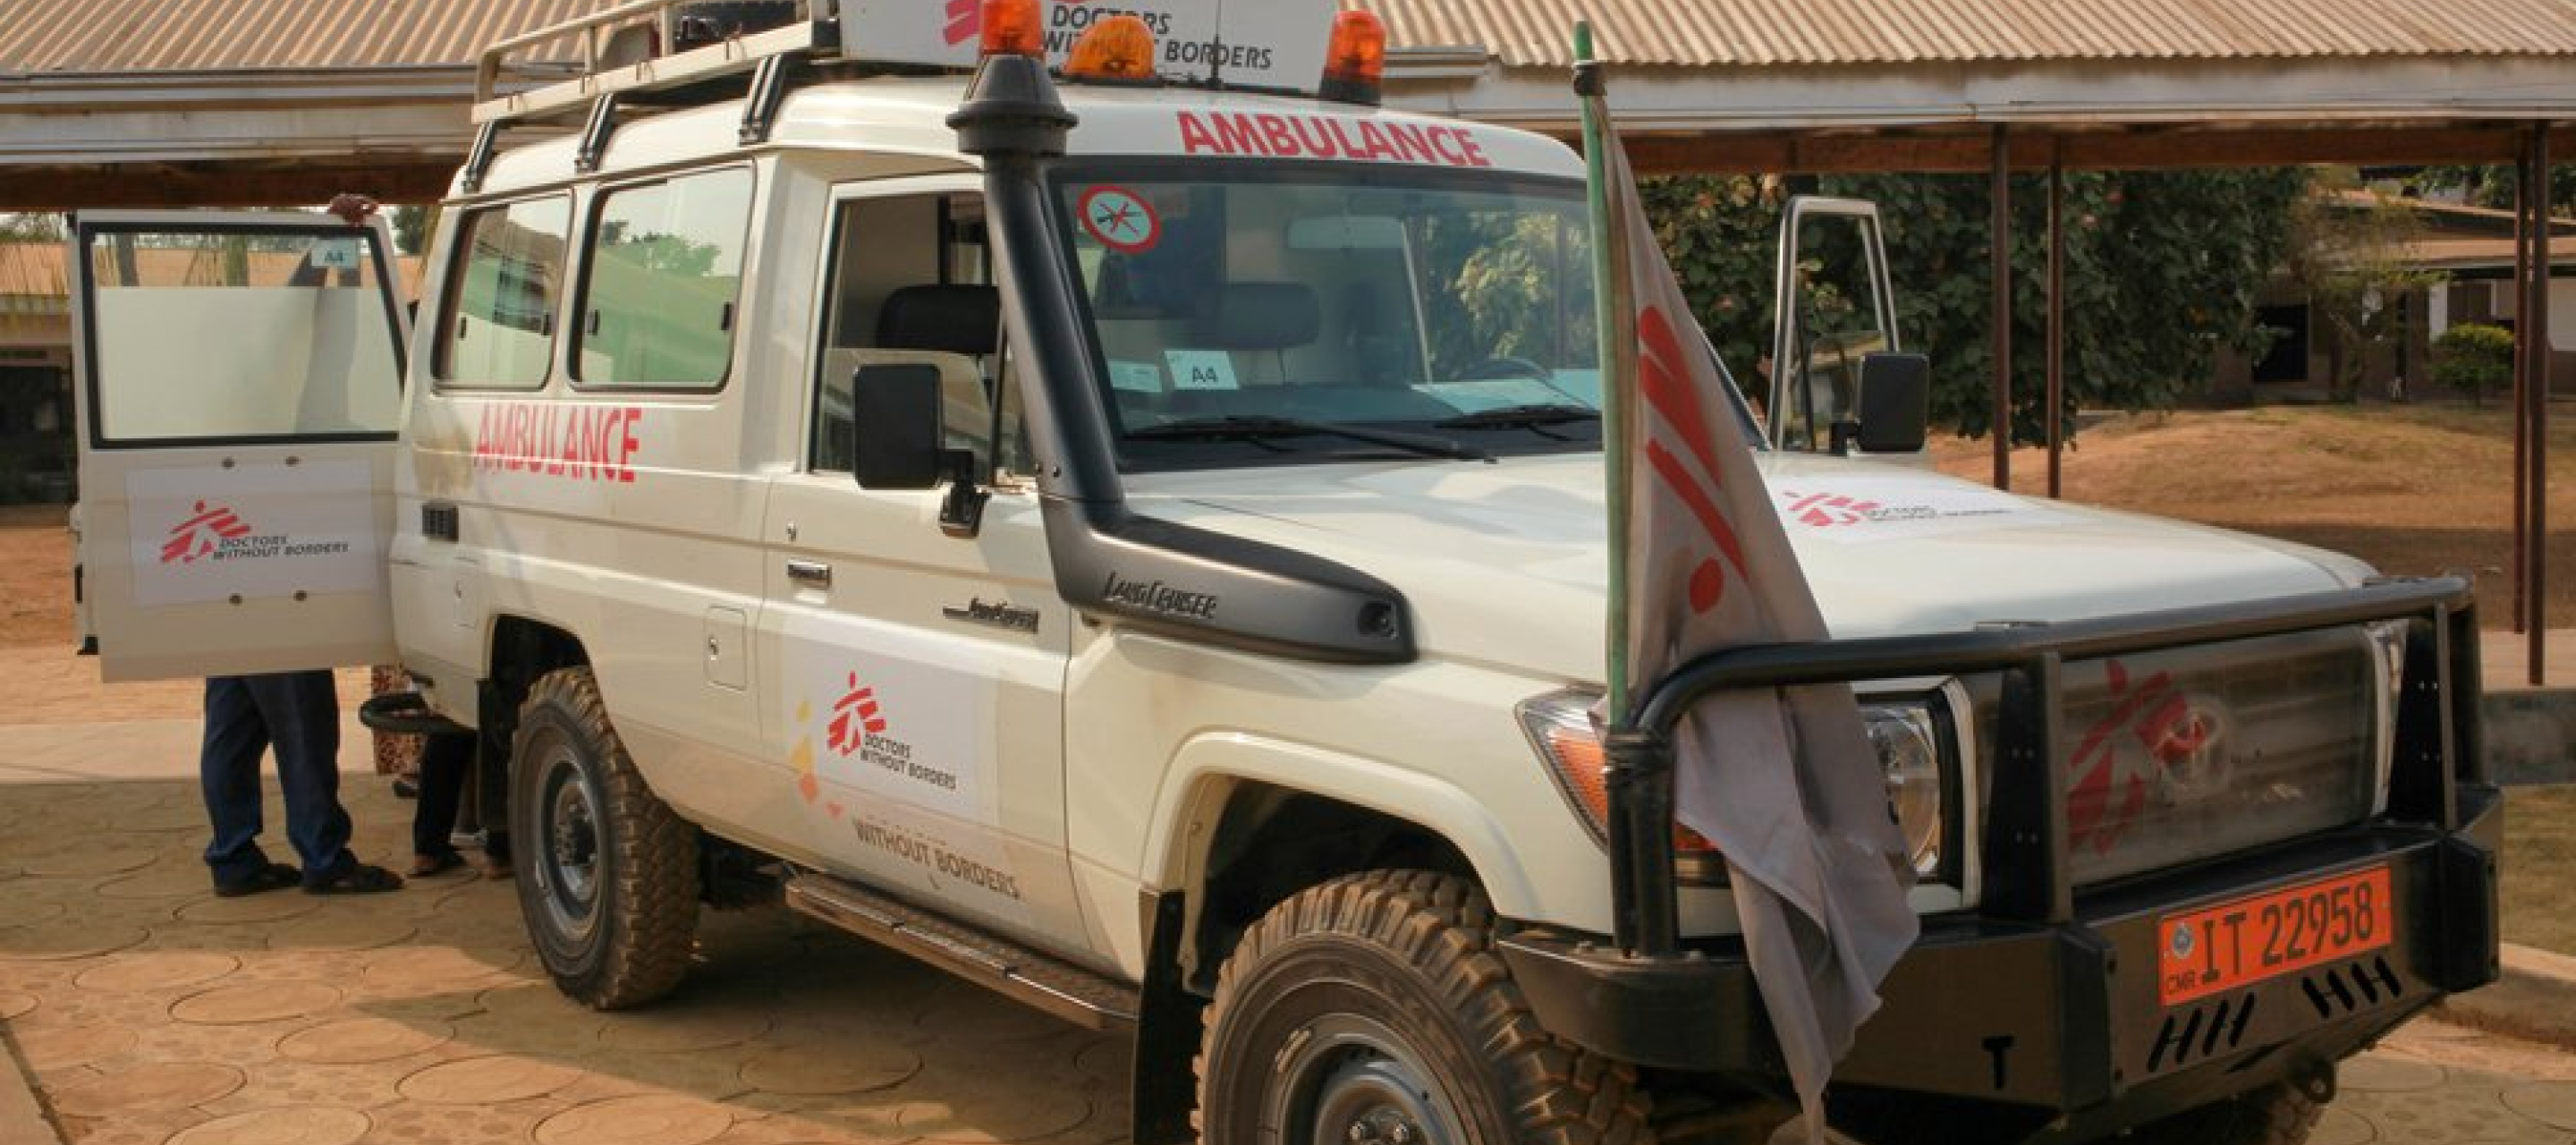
pixel 1839 318
pixel 239 336
pixel 497 326
pixel 661 281
pixel 911 283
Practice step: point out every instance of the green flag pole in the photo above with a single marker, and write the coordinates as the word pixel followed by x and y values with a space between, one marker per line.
pixel 1611 309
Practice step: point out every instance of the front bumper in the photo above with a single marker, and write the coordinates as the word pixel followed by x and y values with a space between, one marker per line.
pixel 2038 1013
pixel 2006 1028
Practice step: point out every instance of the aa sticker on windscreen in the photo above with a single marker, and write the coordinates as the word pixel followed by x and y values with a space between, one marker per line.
pixel 1121 219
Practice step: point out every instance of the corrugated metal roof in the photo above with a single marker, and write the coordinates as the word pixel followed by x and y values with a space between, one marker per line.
pixel 214 35
pixel 221 35
pixel 1834 32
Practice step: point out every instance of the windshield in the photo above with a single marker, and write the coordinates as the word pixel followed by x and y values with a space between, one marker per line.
pixel 1245 314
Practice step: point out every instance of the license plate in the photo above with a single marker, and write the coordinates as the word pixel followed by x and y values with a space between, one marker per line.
pixel 2239 943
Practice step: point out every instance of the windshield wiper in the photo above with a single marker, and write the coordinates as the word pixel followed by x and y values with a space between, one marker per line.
pixel 1260 427
pixel 1535 418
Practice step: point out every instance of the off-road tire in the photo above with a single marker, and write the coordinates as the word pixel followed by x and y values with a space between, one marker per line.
pixel 1386 982
pixel 608 876
pixel 2283 1113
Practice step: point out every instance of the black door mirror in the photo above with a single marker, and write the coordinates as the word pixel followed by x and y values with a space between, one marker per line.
pixel 898 441
pixel 1895 405
pixel 894 425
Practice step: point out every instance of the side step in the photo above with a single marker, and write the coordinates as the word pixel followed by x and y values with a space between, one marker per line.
pixel 1083 997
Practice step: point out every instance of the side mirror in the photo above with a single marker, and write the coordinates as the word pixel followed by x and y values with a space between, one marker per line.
pixel 898 441
pixel 1895 405
pixel 894 421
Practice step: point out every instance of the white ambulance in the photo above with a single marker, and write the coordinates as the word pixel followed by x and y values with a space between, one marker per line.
pixel 1133 535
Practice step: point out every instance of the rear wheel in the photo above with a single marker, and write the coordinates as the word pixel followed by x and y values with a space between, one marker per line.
pixel 1372 1010
pixel 608 876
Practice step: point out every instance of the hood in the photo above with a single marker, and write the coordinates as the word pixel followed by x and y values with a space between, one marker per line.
pixel 1504 564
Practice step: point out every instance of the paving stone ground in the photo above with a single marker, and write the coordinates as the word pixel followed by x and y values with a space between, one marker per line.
pixel 146 1011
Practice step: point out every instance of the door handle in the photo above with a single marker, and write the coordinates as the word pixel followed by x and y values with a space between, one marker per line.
pixel 814 573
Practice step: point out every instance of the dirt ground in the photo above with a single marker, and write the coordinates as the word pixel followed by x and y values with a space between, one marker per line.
pixel 2414 490
pixel 35 576
pixel 2539 850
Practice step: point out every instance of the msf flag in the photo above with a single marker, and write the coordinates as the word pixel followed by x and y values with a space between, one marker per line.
pixel 1784 782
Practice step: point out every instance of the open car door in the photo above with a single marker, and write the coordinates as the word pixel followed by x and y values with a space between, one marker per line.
pixel 240 379
pixel 1835 307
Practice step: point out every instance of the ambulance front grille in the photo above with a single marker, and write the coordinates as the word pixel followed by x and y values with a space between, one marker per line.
pixel 2177 756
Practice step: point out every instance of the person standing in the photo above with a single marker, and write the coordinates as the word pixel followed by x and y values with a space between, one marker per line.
pixel 446 761
pixel 297 714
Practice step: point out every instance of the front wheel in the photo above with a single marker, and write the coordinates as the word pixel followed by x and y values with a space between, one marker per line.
pixel 2284 1113
pixel 1372 1010
pixel 608 876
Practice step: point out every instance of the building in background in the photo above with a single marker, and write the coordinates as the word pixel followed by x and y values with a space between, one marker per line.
pixel 35 375
pixel 2470 251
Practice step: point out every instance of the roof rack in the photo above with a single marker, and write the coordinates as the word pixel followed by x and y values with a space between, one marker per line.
pixel 603 73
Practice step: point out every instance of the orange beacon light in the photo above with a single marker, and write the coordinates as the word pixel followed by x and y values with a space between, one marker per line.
pixel 1116 48
pixel 1354 59
pixel 1012 28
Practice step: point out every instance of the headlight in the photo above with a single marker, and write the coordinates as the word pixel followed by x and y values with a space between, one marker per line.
pixel 1907 738
pixel 1906 735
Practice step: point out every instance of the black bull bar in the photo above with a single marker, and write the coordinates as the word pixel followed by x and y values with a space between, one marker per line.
pixel 2017 1008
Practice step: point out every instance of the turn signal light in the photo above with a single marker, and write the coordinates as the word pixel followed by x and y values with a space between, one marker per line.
pixel 1117 47
pixel 1355 58
pixel 1585 771
pixel 1012 28
pixel 1560 726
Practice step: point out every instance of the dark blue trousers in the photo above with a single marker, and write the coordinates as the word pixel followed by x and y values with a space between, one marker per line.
pixel 444 762
pixel 298 714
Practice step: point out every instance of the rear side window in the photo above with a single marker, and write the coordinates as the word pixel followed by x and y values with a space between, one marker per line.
pixel 661 280
pixel 497 326
pixel 240 334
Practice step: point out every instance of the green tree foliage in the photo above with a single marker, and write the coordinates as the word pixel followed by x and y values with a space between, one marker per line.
pixel 2349 257
pixel 413 225
pixel 2475 359
pixel 30 227
pixel 2493 186
pixel 1495 284
pixel 2162 269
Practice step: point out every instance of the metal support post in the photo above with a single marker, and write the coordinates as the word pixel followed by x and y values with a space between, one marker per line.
pixel 2056 319
pixel 2532 329
pixel 2521 377
pixel 1999 239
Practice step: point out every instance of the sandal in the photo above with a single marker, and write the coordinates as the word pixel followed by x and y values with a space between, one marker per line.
pixel 424 866
pixel 269 877
pixel 357 879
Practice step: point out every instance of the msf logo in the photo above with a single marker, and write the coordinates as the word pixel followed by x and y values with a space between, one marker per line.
pixel 2158 741
pixel 1826 510
pixel 855 716
pixel 203 535
pixel 965 21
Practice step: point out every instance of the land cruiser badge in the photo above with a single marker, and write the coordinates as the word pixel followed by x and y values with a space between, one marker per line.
pixel 1156 596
